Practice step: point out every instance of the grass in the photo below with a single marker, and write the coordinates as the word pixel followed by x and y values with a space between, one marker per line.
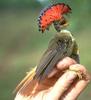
pixel 21 46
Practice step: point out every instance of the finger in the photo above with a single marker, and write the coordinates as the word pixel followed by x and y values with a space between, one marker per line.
pixel 62 65
pixel 75 90
pixel 61 85
pixel 78 86
pixel 80 69
pixel 65 63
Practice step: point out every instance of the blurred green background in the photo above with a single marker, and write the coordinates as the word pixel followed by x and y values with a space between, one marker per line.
pixel 22 45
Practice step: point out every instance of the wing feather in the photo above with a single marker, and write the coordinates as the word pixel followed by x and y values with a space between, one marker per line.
pixel 45 62
pixel 46 65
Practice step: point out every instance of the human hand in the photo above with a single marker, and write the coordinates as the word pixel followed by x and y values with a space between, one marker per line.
pixel 61 84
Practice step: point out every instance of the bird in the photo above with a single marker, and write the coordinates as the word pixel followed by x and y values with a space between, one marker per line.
pixel 60 46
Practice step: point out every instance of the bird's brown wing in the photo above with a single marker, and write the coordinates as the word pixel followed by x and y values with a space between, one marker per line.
pixel 49 61
pixel 44 62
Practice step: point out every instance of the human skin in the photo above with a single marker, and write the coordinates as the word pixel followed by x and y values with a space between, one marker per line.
pixel 62 86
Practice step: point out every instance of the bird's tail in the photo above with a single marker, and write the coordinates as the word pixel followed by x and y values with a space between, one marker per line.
pixel 27 78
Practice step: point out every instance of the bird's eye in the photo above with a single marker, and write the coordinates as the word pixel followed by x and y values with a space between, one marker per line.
pixel 59 41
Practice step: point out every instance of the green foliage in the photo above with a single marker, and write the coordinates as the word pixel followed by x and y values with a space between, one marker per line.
pixel 4 4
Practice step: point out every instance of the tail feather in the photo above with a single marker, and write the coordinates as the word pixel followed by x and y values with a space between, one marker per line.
pixel 27 78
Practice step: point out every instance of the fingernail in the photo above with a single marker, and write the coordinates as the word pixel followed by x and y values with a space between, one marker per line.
pixel 61 65
pixel 71 76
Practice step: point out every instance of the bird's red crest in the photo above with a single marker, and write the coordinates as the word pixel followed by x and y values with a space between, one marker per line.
pixel 52 13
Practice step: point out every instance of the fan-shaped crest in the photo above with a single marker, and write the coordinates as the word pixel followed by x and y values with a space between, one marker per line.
pixel 51 14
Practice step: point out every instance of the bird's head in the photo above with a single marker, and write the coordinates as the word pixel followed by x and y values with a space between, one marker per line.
pixel 65 34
